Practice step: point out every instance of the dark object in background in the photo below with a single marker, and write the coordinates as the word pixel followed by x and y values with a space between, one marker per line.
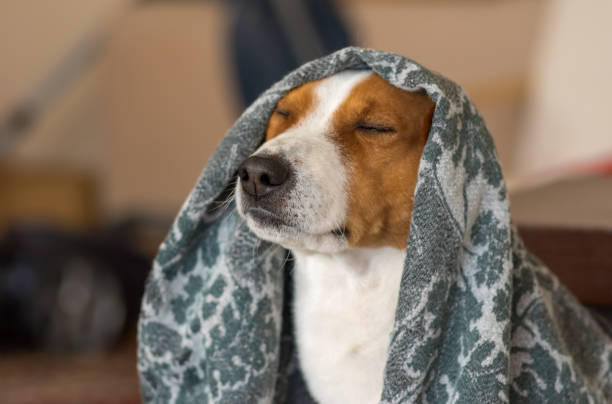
pixel 67 291
pixel 581 259
pixel 269 38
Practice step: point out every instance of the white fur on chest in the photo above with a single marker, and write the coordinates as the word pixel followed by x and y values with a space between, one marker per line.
pixel 344 311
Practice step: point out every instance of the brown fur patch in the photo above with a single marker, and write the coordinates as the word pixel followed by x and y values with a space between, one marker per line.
pixel 382 164
pixel 290 109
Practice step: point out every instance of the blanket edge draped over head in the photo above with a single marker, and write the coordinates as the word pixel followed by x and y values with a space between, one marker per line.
pixel 478 319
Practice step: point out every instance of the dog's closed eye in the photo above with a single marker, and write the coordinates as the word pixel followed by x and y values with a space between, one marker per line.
pixel 282 113
pixel 374 127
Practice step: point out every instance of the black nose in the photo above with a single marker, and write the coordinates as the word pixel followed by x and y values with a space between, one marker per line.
pixel 261 175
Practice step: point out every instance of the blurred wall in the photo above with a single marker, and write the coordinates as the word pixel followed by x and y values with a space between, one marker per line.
pixel 168 101
pixel 568 123
pixel 35 35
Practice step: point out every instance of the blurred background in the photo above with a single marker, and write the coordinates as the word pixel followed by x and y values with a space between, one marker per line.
pixel 109 110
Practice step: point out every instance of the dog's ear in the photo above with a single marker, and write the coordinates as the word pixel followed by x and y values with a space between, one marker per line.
pixel 428 110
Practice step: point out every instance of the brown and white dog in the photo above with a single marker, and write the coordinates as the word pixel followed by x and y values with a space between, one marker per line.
pixel 333 183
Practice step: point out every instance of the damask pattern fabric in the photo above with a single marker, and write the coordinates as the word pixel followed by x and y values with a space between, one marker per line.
pixel 479 319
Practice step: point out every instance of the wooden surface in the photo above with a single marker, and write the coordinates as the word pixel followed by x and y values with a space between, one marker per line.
pixel 95 378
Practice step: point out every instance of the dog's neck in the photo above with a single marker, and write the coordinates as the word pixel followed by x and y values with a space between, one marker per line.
pixel 353 267
pixel 344 309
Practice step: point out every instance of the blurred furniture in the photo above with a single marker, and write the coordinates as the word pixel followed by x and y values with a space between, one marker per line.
pixel 61 197
pixel 68 291
pixel 582 259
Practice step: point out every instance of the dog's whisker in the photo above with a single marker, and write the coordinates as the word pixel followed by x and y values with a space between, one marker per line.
pixel 223 204
pixel 288 257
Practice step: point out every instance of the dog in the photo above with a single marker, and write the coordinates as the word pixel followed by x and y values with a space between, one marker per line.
pixel 333 182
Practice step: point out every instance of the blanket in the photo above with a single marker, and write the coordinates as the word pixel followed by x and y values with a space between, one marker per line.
pixel 479 319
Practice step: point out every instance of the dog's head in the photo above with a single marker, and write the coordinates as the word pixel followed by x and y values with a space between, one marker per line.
pixel 339 165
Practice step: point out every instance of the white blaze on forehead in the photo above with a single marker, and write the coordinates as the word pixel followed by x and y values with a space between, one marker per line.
pixel 331 93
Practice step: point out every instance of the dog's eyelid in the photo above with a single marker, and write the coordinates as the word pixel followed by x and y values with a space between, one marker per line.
pixel 374 127
pixel 282 112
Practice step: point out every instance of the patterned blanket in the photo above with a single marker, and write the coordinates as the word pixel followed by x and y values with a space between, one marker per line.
pixel 479 319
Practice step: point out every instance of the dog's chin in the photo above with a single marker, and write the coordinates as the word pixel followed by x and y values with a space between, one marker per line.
pixel 271 227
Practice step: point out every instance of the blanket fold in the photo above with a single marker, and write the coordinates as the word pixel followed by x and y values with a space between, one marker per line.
pixel 478 320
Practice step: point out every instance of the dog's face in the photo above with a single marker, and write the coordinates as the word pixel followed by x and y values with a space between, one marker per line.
pixel 339 165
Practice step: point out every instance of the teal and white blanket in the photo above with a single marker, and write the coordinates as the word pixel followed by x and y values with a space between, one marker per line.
pixel 479 319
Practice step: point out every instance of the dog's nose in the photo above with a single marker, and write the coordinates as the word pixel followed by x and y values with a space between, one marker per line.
pixel 261 175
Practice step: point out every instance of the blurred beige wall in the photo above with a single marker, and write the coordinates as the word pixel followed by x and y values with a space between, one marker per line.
pixel 35 35
pixel 568 122
pixel 168 101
